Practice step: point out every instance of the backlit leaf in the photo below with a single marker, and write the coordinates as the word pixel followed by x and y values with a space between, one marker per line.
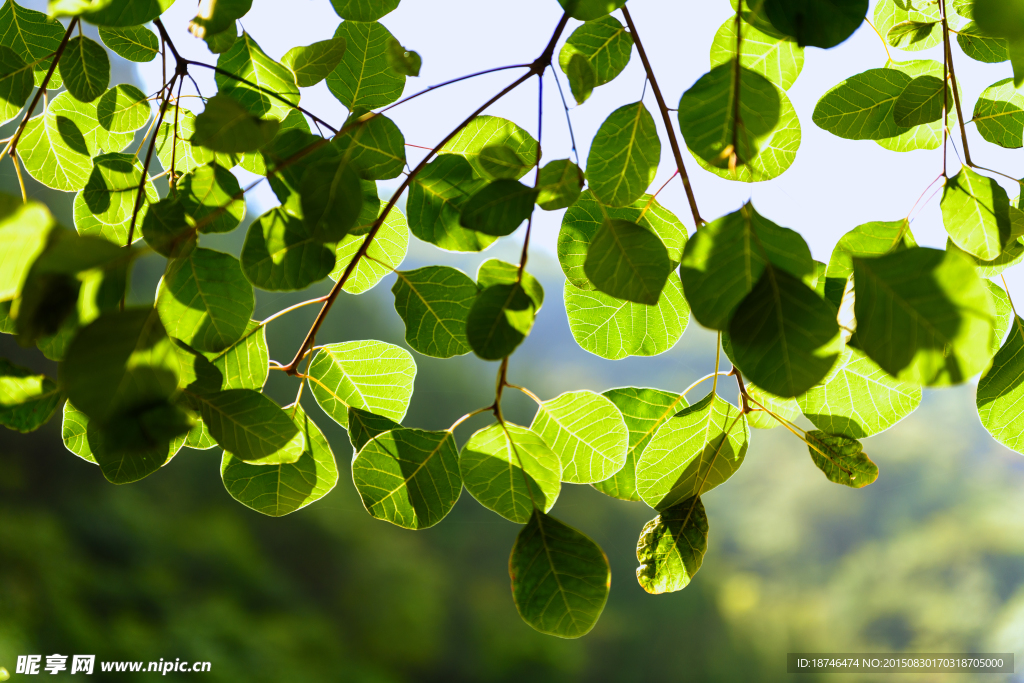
pixel 771 54
pixel 364 10
pixel 434 303
pixel 34 37
pixel 587 433
pixel 560 578
pixel 27 400
pixel 15 83
pixel 498 208
pixel 1000 390
pixel 605 44
pixel 312 63
pixel 386 252
pixel 364 78
pixel 627 261
pixel 375 146
pixel 560 184
pixel 123 109
pixel 624 156
pixel 692 452
pixel 225 126
pixel 976 214
pixel 369 375
pixel 484 132
pixel 253 428
pixel 672 546
pixel 85 68
pixel 436 198
pixel 134 43
pixel 408 477
pixel 999 115
pixel 509 469
pixel 644 411
pixel 821 23
pixel 263 75
pixel 842 459
pixel 281 253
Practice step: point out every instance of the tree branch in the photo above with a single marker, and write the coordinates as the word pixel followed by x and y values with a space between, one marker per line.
pixel 12 146
pixel 536 69
pixel 952 78
pixel 666 118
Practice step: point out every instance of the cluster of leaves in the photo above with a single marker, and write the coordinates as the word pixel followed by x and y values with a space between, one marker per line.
pixel 847 344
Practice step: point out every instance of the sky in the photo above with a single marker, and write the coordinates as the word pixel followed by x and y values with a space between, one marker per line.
pixel 833 186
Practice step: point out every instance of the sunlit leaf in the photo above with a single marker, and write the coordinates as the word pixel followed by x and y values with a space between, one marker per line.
pixel 560 184
pixel 624 156
pixel 27 399
pixel 485 132
pixel 604 43
pixel 821 23
pixel 976 214
pixel 409 477
pixel 436 198
pixel 842 459
pixel 369 375
pixel 281 253
pixel 560 578
pixel 999 115
pixel 134 43
pixel 771 54
pixel 85 68
pixel 691 453
pixel 587 433
pixel 364 78
pixel 34 37
pixel 262 75
pixel 510 470
pixel 672 546
pixel 434 303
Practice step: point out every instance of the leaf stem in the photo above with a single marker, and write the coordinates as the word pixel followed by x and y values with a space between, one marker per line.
pixel 880 37
pixel 952 77
pixel 536 68
pixel 666 118
pixel 718 359
pixel 294 307
pixel 526 391
pixel 702 379
pixel 568 120
pixel 465 417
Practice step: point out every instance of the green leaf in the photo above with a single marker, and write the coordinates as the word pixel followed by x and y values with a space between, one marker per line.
pixel 364 78
pixel 585 217
pixel 560 578
pixel 499 320
pixel 167 230
pixel 860 399
pixel 605 44
pixel 402 61
pixel 27 400
pixel 624 156
pixel 725 259
pixel 865 241
pixel 364 10
pixel 510 470
pixel 786 408
pixel 671 547
pixel 57 147
pixel 842 459
pixel 436 198
pixel 434 303
pixel 123 109
pixel 982 47
pixel 134 43
pixel 693 452
pixel 498 208
pixel 263 75
pixel 376 147
pixel 582 79
pixel 364 425
pixel 1011 255
pixel 612 328
pixel 486 132
pixel 999 18
pixel 252 427
pixel 627 261
pixel 999 115
pixel 212 198
pixel 369 375
pixel 767 134
pixel 499 161
pixel 925 136
pixel 408 477
pixel 587 433
pixel 915 35
pixel 890 13
pixel 85 68
pixel 204 300
pixel 15 83
pixel 331 199
pixel 935 301
pixel 920 102
pixel 784 336
pixel 771 54
pixel 976 214
pixel 34 37
pixel 644 411
pixel 243 365
pixel 91 443
pixel 495 272
pixel 186 157
pixel 821 23
pixel 119 362
pixel 862 106
pixel 24 229
pixel 386 253
pixel 225 126
pixel 1000 390
pixel 104 208
pixel 127 12
pixel 559 186
pixel 218 16
pixel 312 63
pixel 278 490
pixel 281 253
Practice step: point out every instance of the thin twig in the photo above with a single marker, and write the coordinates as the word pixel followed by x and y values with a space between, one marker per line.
pixel 565 106
pixel 536 68
pixel 676 152
pixel 12 146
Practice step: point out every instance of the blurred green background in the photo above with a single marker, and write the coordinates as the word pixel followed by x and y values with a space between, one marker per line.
pixel 930 558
